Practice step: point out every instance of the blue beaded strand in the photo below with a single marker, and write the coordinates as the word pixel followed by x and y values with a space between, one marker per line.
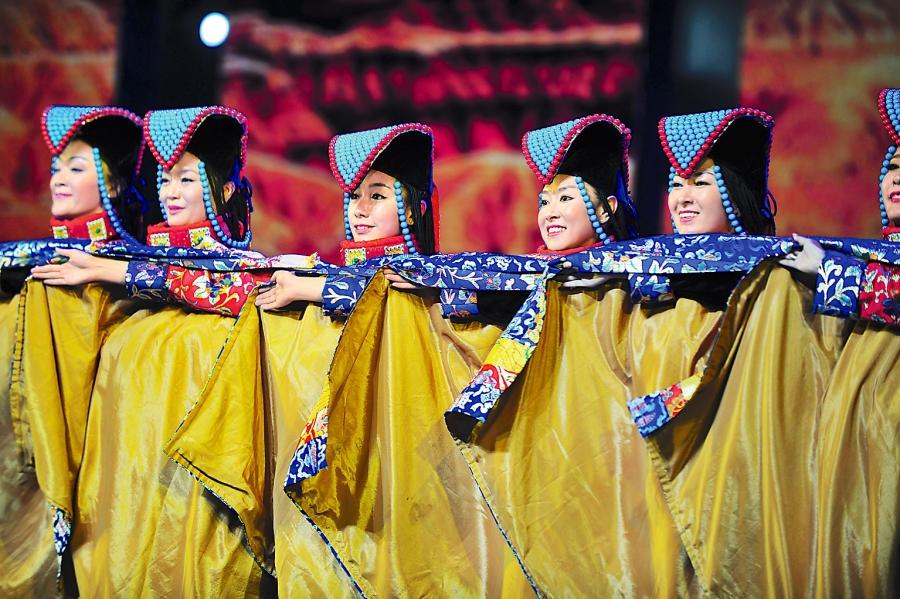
pixel 401 215
pixel 592 213
pixel 885 222
pixel 671 187
pixel 159 184
pixel 348 232
pixel 211 213
pixel 105 201
pixel 726 203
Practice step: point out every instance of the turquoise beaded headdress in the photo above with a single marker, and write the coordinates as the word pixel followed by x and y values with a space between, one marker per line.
pixel 549 150
pixel 889 109
pixel 122 129
pixel 687 139
pixel 169 133
pixel 405 152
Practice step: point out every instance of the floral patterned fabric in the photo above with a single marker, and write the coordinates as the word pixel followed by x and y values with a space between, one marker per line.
pixel 341 292
pixel 879 296
pixel 501 367
pixel 837 285
pixel 650 289
pixel 221 292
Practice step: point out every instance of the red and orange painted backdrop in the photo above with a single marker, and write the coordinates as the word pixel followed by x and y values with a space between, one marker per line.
pixel 480 74
pixel 817 66
pixel 51 51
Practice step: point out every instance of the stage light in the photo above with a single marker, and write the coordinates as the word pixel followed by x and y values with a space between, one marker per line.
pixel 214 29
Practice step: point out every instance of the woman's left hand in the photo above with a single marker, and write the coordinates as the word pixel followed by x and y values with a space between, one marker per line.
pixel 807 259
pixel 80 268
pixel 398 282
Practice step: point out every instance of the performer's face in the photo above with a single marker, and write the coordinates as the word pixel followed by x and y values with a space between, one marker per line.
pixel 890 189
pixel 73 183
pixel 563 217
pixel 182 192
pixel 373 208
pixel 696 204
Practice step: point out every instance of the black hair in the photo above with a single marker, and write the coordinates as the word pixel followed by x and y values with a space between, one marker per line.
pixel 423 223
pixel 407 158
pixel 119 143
pixel 217 143
pixel 596 156
pixel 741 154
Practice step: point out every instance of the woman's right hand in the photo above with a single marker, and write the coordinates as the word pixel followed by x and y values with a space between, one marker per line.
pixel 286 288
pixel 80 268
pixel 807 259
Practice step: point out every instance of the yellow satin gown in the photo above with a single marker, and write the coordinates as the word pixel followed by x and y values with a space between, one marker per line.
pixel 240 437
pixel 397 501
pixel 561 461
pixel 782 474
pixel 119 378
pixel 27 555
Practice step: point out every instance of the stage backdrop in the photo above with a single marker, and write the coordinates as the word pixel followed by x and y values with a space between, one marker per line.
pixel 480 74
pixel 51 51
pixel 817 66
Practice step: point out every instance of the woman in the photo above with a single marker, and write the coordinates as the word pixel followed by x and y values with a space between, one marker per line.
pixel 95 152
pixel 390 209
pixel 775 457
pixel 845 286
pixel 182 542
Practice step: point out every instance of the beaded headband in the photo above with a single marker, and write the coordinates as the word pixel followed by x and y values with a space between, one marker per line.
pixel 686 139
pixel 352 155
pixel 889 109
pixel 59 124
pixel 545 152
pixel 168 134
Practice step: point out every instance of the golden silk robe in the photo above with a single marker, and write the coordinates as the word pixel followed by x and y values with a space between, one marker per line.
pixel 103 397
pixel 561 462
pixel 782 472
pixel 240 436
pixel 397 502
pixel 27 556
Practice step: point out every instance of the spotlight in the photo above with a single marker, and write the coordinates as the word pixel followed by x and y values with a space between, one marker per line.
pixel 214 29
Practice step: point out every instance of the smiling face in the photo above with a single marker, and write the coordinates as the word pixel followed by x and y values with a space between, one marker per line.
pixel 373 208
pixel 890 190
pixel 182 192
pixel 73 183
pixel 696 204
pixel 563 217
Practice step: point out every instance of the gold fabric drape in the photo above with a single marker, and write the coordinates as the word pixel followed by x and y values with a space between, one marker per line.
pixel 782 473
pixel 102 400
pixel 27 555
pixel 397 501
pixel 561 460
pixel 240 437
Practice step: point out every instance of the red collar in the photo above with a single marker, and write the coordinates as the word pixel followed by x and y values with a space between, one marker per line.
pixel 193 235
pixel 543 251
pixel 95 226
pixel 354 252
pixel 891 233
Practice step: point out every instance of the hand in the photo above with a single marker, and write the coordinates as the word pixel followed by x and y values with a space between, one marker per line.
pixel 807 259
pixel 81 268
pixel 398 282
pixel 577 282
pixel 286 288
